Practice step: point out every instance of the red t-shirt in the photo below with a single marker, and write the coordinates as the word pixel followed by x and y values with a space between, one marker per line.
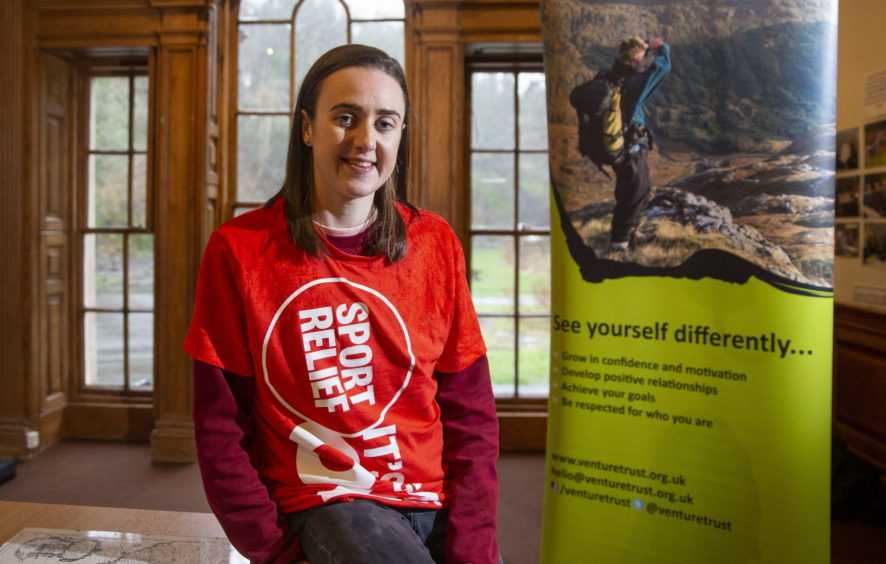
pixel 343 349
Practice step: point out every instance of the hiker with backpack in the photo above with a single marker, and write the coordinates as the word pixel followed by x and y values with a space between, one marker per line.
pixel 613 132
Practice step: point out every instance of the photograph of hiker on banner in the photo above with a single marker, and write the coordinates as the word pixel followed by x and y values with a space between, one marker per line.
pixel 696 151
pixel 612 130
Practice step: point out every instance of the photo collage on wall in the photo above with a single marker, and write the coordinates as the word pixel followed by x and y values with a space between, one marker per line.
pixel 860 201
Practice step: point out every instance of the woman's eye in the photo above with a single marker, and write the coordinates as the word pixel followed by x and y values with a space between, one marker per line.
pixel 345 120
pixel 386 125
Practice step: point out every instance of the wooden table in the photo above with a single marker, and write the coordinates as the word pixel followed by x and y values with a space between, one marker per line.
pixel 15 516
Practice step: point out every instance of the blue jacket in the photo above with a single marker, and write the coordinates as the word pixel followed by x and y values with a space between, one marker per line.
pixel 639 86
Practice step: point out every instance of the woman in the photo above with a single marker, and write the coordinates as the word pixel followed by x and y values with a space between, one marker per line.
pixel 342 403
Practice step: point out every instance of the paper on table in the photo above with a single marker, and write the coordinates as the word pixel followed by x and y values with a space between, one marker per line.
pixel 34 545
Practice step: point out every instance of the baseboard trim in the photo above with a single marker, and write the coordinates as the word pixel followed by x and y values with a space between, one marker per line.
pixel 173 441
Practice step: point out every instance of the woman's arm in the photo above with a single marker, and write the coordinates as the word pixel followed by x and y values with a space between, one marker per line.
pixel 223 429
pixel 470 449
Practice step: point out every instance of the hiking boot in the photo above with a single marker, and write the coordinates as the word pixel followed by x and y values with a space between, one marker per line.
pixel 638 238
pixel 619 251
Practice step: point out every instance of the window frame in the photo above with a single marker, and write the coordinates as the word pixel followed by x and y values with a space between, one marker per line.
pixel 86 70
pixel 502 60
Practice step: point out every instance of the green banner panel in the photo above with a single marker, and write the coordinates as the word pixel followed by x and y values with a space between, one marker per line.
pixel 690 399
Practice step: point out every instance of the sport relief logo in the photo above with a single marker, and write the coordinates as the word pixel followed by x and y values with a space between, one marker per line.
pixel 337 353
pixel 342 377
pixel 337 356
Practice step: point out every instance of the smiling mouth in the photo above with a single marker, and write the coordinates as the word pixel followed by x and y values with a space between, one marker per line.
pixel 360 164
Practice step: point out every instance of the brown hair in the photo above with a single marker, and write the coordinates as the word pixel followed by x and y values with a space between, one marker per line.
pixel 387 235
pixel 630 48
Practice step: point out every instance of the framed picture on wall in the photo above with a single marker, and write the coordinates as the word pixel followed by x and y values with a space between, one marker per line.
pixel 847 196
pixel 875 244
pixel 874 195
pixel 847 149
pixel 846 240
pixel 875 144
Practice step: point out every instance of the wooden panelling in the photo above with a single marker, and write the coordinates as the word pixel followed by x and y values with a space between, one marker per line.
pixel 180 169
pixel 860 381
pixel 56 309
pixel 514 21
pixel 523 431
pixel 443 174
pixel 54 189
pixel 16 321
pixel 109 421
pixel 81 28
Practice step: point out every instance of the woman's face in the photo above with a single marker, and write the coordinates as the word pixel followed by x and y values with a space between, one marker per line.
pixel 354 134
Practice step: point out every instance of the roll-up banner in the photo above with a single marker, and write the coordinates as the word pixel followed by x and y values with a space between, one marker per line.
pixel 692 147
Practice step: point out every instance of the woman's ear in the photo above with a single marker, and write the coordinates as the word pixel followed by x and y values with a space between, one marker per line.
pixel 306 128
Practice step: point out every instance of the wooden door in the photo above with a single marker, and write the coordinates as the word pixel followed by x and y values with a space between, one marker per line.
pixel 54 273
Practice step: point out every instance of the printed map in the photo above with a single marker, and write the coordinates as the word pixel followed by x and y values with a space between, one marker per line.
pixel 33 545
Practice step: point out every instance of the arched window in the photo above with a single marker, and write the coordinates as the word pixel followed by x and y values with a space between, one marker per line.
pixel 277 42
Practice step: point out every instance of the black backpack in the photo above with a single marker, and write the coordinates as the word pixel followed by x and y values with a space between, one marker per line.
pixel 600 125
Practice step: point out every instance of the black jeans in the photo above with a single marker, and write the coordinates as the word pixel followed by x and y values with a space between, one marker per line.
pixel 632 185
pixel 366 532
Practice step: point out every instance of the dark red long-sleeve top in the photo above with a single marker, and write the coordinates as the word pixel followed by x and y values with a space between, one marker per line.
pixel 224 430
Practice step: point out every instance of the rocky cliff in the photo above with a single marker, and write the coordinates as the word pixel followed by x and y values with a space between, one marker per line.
pixel 775 212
